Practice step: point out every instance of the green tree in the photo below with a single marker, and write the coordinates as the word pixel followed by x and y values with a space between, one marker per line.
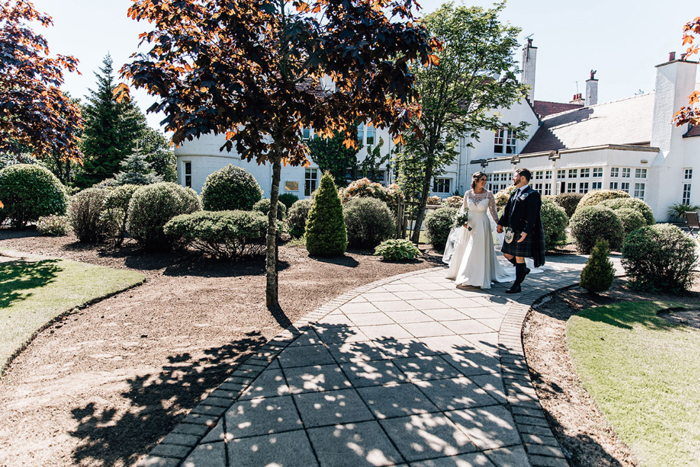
pixel 253 71
pixel 373 161
pixel 136 171
pixel 475 76
pixel 112 129
pixel 332 155
pixel 159 154
pixel 599 272
pixel 325 228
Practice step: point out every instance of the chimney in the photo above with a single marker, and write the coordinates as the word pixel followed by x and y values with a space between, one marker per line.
pixel 578 99
pixel 528 63
pixel 671 56
pixel 592 89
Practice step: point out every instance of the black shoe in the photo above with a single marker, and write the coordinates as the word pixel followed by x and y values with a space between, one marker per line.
pixel 514 289
pixel 527 271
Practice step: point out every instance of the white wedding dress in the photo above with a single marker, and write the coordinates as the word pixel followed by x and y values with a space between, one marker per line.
pixel 470 253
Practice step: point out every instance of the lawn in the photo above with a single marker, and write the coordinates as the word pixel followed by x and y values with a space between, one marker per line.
pixel 643 373
pixel 32 293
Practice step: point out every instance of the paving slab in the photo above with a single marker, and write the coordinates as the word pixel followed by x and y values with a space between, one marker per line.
pixel 354 444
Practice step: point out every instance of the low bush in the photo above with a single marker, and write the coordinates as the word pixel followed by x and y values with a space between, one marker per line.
pixel 595 197
pixel 439 223
pixel 632 203
pixel 84 215
pixel 364 188
pixel 599 272
pixel 569 201
pixel 55 226
pixel 297 217
pixel 115 211
pixel 631 220
pixel 263 206
pixel 230 188
pixel 396 249
pixel 554 222
pixel 325 227
pixel 288 199
pixel 221 234
pixel 453 202
pixel 594 223
pixel 659 257
pixel 152 206
pixel 368 222
pixel 434 201
pixel 28 192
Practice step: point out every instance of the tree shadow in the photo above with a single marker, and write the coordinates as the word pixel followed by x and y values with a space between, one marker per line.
pixel 19 276
pixel 345 260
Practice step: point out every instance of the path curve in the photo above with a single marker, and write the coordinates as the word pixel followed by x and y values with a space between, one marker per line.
pixel 408 370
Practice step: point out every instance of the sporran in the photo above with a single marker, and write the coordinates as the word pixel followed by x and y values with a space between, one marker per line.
pixel 510 234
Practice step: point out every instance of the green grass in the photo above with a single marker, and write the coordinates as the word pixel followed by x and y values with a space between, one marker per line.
pixel 644 374
pixel 33 293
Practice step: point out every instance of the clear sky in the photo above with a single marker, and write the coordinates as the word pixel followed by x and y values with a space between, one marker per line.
pixel 622 39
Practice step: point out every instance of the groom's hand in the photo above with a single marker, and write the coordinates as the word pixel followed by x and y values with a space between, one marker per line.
pixel 522 237
pixel 499 228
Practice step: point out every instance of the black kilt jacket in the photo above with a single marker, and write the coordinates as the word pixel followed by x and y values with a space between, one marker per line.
pixel 522 214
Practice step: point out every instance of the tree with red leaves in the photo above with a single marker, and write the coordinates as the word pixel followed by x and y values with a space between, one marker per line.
pixel 691 113
pixel 35 116
pixel 255 71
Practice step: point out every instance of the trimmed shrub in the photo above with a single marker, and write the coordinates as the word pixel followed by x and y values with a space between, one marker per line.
pixel 364 188
pixel 325 227
pixel 84 215
pixel 229 189
pixel 569 201
pixel 554 222
pixel 29 192
pixel 55 226
pixel 152 206
pixel 263 206
pixel 659 257
pixel 297 217
pixel 599 272
pixel 288 199
pixel 368 222
pixel 632 203
pixel 434 201
pixel 453 202
pixel 439 223
pixel 397 249
pixel 222 234
pixel 115 211
pixel 631 220
pixel 593 223
pixel 503 196
pixel 595 197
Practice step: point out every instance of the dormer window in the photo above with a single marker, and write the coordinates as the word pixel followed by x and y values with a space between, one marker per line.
pixel 504 142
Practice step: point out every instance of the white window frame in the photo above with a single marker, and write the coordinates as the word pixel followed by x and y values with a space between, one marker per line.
pixel 573 173
pixel 614 185
pixel 361 134
pixel 442 185
pixel 585 173
pixel 371 135
pixel 583 187
pixel 640 173
pixel 626 172
pixel 571 187
pixel 597 172
pixel 187 173
pixel 687 174
pixel 548 175
pixel 614 172
pixel 596 186
pixel 547 189
pixel 625 186
pixel 310 181
pixel 561 173
pixel 539 175
pixel 639 189
pixel 504 142
pixel 686 193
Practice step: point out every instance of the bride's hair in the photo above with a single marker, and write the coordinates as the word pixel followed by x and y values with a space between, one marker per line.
pixel 476 177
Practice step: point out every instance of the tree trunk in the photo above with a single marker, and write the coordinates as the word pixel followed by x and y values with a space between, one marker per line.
pixel 415 236
pixel 271 290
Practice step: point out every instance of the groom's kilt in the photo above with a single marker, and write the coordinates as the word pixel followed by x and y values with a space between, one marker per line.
pixel 522 249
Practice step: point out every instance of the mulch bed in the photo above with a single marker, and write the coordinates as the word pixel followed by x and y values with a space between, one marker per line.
pixel 105 384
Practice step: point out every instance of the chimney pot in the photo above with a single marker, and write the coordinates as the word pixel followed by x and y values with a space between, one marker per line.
pixel 683 56
pixel 671 56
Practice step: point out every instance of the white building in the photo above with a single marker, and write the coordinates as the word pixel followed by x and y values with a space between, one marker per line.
pixel 630 144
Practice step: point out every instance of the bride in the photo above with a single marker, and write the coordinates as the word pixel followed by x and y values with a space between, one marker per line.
pixel 473 259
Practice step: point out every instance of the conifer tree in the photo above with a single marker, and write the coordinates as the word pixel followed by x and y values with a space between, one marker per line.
pixel 136 171
pixel 599 273
pixel 325 229
pixel 111 129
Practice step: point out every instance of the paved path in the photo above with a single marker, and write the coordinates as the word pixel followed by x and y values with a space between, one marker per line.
pixel 405 371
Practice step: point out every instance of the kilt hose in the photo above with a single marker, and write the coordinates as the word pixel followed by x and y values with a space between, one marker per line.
pixel 522 249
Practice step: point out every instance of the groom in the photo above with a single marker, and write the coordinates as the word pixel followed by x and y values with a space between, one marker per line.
pixel 523 226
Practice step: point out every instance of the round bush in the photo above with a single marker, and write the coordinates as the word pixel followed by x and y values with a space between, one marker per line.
pixel 229 189
pixel 631 220
pixel 116 209
pixel 368 222
pixel 397 249
pixel 632 203
pixel 325 228
pixel 439 223
pixel 599 272
pixel 56 226
pixel 364 188
pixel 29 192
pixel 595 197
pixel 152 206
pixel 569 201
pixel 502 197
pixel 263 206
pixel 588 225
pixel 554 222
pixel 659 258
pixel 288 199
pixel 297 217
pixel 84 214
pixel 453 202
